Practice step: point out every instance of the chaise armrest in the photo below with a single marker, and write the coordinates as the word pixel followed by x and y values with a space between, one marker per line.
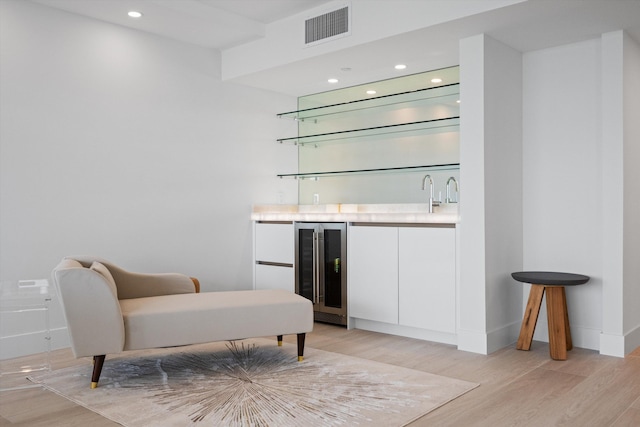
pixel 141 285
pixel 91 309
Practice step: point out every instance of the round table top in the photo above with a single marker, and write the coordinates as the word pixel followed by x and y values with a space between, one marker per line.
pixel 550 278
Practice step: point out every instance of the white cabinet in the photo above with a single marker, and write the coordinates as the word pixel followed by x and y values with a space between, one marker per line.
pixel 273 256
pixel 274 242
pixel 274 277
pixel 373 273
pixel 403 276
pixel 426 280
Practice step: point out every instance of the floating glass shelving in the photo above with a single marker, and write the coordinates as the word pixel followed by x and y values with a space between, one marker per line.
pixel 443 124
pixel 316 175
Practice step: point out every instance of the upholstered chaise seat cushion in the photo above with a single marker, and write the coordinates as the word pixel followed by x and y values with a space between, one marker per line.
pixel 213 316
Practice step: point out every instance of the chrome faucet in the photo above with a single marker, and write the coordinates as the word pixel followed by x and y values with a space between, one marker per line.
pixel 432 202
pixel 448 199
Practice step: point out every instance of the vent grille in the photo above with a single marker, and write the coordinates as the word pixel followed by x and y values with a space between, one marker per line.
pixel 325 26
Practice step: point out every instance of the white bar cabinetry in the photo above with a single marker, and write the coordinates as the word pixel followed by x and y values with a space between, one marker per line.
pixel 274 256
pixel 426 278
pixel 402 280
pixel 373 273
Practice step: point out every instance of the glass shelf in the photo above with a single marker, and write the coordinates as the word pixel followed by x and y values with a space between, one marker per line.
pixel 316 175
pixel 424 94
pixel 367 138
pixel 434 124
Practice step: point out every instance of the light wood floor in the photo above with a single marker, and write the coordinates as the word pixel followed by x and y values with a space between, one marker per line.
pixel 517 388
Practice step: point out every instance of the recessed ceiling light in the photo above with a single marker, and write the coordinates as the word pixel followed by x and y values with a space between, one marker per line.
pixel 436 80
pixel 371 92
pixel 333 80
pixel 134 14
pixel 400 67
pixel 458 101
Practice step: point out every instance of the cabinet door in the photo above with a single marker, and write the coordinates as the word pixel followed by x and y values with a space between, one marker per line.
pixel 274 242
pixel 427 278
pixel 274 277
pixel 373 273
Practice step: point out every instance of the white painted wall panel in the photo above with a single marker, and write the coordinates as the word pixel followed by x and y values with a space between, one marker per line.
pixel 632 192
pixel 562 177
pixel 125 145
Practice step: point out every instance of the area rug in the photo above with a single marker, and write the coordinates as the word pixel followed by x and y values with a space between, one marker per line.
pixel 253 383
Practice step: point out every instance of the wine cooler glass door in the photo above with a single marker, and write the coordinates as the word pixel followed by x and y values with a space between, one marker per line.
pixel 321 269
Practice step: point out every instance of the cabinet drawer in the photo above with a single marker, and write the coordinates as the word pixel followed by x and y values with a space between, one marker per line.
pixel 274 242
pixel 274 277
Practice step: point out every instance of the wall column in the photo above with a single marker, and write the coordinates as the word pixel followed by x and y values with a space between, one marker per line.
pixel 490 230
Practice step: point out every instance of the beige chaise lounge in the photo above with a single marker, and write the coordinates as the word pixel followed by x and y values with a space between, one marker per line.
pixel 109 310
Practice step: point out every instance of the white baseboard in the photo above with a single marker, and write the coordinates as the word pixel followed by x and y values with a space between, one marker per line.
pixel 503 337
pixel 403 331
pixel 588 338
pixel 32 343
pixel 620 345
pixel 466 340
pixel 632 340
pixel 472 341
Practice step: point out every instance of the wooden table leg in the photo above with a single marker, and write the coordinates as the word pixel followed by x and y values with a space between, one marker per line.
pixel 566 320
pixel 559 333
pixel 530 317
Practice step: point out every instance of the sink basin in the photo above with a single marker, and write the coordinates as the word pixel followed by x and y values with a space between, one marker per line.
pixel 450 208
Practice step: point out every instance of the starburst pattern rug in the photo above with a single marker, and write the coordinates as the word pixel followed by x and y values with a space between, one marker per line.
pixel 253 383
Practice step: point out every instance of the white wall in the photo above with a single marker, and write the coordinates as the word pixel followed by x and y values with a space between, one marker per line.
pixel 613 188
pixel 490 230
pixel 503 190
pixel 471 293
pixel 632 193
pixel 621 182
pixel 562 178
pixel 128 146
pixel 581 186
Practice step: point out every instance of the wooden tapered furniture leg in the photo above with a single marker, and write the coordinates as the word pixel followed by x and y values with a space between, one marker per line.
pixel 301 338
pixel 559 333
pixel 98 361
pixel 279 340
pixel 566 320
pixel 530 317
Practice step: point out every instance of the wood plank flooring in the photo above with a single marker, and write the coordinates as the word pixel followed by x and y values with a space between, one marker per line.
pixel 517 388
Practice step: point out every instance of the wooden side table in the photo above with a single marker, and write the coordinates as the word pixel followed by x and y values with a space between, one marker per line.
pixel 557 315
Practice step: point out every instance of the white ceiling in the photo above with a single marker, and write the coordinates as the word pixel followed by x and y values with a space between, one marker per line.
pixel 216 24
pixel 221 24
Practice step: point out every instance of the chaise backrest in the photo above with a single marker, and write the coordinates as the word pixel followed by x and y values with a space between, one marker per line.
pixel 140 285
pixel 91 309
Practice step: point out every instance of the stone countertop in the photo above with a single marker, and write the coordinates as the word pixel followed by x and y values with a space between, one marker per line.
pixel 411 213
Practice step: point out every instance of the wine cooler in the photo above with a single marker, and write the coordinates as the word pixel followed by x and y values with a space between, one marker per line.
pixel 320 269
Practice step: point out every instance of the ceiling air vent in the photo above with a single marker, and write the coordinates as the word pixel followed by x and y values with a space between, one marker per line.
pixel 327 26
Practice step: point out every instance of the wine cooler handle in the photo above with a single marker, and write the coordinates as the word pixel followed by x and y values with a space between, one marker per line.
pixel 316 267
